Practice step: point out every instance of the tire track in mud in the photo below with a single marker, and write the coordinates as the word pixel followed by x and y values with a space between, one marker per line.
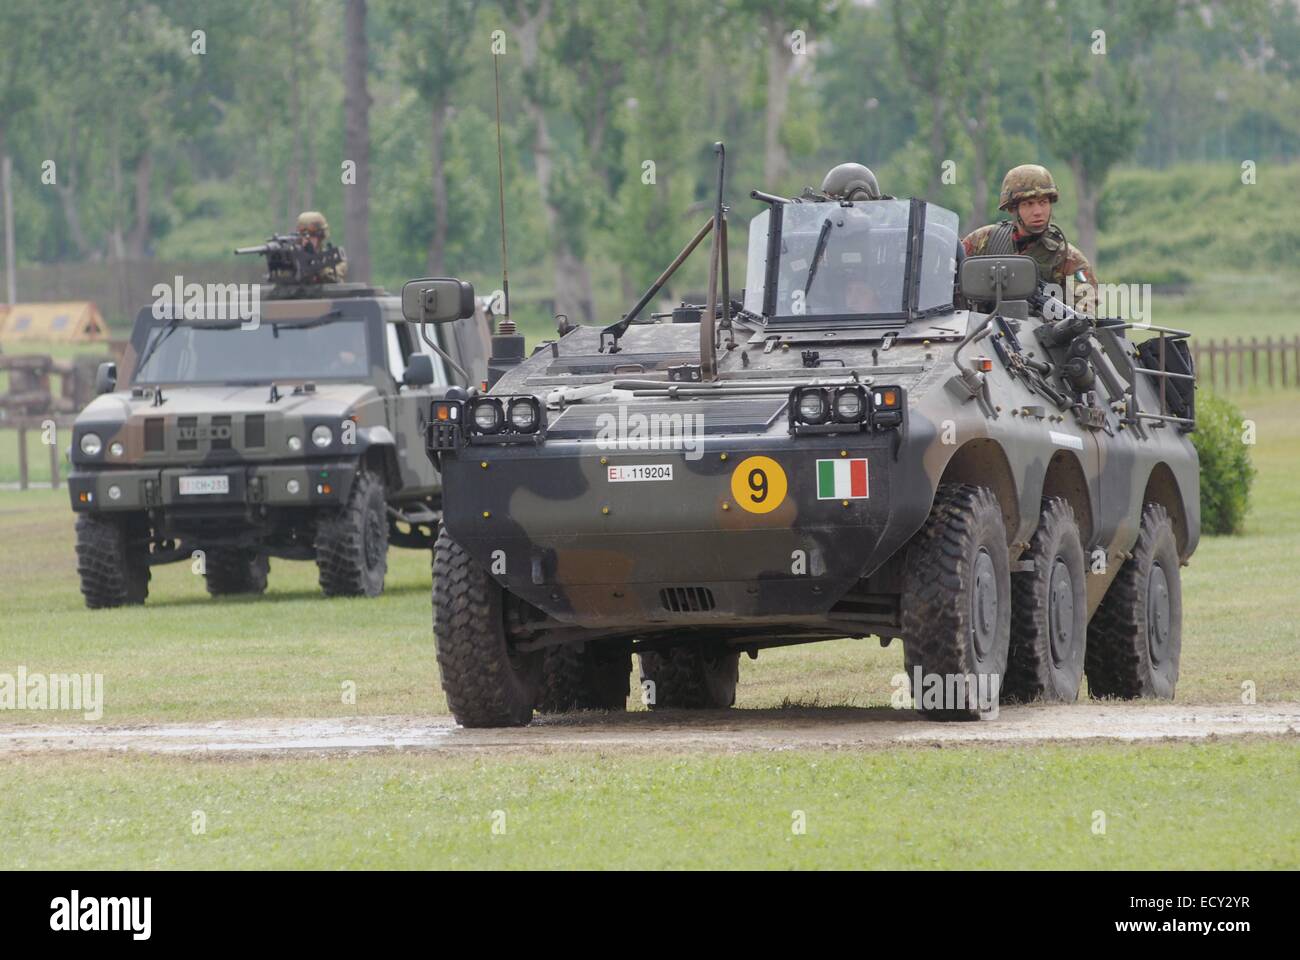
pixel 724 731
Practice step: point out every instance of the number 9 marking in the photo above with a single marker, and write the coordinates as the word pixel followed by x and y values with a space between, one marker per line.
pixel 758 485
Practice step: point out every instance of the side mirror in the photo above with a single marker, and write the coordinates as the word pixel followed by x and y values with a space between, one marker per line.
pixel 998 278
pixel 437 300
pixel 419 371
pixel 106 377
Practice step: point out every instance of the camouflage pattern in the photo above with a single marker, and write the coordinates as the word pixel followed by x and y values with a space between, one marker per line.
pixel 317 226
pixel 1056 257
pixel 1025 182
pixel 258 436
pixel 596 559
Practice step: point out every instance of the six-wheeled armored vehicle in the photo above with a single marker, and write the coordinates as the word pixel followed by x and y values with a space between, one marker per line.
pixel 297 432
pixel 877 438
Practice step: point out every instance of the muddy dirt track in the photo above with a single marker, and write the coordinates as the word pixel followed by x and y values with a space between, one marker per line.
pixel 735 730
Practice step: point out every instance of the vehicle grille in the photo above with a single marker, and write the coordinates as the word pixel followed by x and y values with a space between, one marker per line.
pixel 686 599
pixel 255 430
pixel 184 424
pixel 221 442
pixel 154 440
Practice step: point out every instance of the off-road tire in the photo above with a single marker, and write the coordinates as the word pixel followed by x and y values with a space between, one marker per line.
pixel 584 678
pixel 958 557
pixel 352 541
pixel 113 567
pixel 486 682
pixel 691 677
pixel 1049 612
pixel 1135 638
pixel 232 571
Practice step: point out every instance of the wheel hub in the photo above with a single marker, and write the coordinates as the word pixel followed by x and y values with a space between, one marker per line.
pixel 984 604
pixel 1158 614
pixel 1060 612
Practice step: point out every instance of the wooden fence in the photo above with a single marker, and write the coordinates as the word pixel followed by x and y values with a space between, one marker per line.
pixel 1243 364
pixel 20 427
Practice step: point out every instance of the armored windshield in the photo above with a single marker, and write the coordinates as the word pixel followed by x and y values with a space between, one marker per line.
pixel 224 353
pixel 851 262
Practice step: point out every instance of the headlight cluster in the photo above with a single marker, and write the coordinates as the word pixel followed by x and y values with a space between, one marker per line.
pixel 91 444
pixel 815 409
pixel 486 420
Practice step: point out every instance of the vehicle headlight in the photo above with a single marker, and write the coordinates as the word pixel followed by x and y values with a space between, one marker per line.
pixel 849 405
pixel 116 448
pixel 91 444
pixel 812 406
pixel 295 443
pixel 322 436
pixel 523 414
pixel 488 416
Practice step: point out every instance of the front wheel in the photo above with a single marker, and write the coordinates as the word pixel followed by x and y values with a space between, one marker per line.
pixel 352 541
pixel 488 683
pixel 956 602
pixel 112 560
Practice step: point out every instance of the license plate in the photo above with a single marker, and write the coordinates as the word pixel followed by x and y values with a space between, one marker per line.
pixel 192 486
pixel 632 473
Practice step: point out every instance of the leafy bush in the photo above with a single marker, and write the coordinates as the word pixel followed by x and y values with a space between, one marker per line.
pixel 1226 470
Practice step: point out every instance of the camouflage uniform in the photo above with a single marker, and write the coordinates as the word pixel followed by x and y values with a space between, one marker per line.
pixel 315 225
pixel 1056 257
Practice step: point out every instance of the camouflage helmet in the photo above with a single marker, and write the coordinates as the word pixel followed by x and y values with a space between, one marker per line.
pixel 851 181
pixel 1025 182
pixel 314 221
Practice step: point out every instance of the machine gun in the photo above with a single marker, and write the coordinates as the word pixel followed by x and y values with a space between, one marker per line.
pixel 289 262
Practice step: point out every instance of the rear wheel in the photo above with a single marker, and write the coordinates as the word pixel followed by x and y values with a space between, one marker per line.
pixel 691 677
pixel 352 541
pixel 1049 612
pixel 112 560
pixel 231 571
pixel 1135 640
pixel 584 678
pixel 956 605
pixel 488 683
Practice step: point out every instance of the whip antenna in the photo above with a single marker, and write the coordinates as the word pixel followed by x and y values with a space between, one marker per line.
pixel 507 324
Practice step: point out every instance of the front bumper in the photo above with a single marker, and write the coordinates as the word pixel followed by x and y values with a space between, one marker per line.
pixel 555 527
pixel 272 485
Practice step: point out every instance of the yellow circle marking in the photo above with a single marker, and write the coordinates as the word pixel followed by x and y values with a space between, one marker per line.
pixel 758 484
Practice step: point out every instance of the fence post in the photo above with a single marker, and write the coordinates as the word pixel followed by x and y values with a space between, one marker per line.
pixel 1268 358
pixel 54 460
pixel 1214 351
pixel 22 457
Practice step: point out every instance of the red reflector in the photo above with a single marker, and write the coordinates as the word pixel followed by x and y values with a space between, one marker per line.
pixel 986 365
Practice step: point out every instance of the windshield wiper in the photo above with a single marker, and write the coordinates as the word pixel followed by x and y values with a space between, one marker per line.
pixel 817 255
pixel 167 331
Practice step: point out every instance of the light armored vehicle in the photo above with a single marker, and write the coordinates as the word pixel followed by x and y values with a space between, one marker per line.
pixel 297 434
pixel 877 438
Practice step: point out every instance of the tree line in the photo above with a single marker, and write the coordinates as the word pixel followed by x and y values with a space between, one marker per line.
pixel 144 129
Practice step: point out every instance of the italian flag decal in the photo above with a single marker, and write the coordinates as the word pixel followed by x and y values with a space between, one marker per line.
pixel 842 479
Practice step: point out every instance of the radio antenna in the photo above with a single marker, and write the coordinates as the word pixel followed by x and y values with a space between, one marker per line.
pixel 507 325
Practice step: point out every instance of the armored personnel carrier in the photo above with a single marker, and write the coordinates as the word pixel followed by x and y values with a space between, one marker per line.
pixel 876 438
pixel 297 434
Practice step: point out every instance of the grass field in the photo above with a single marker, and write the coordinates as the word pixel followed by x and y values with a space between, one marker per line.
pixel 1227 805
pixel 184 656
